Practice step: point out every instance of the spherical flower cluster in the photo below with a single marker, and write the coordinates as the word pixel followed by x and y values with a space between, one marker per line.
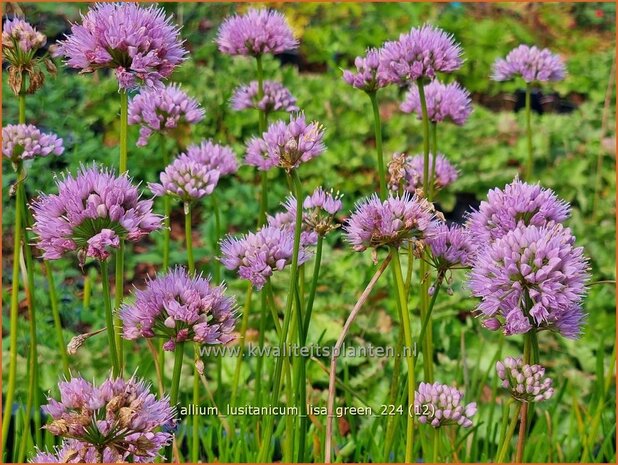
pixel 162 110
pixel 90 211
pixel 450 247
pixel 391 222
pixel 286 145
pixel 444 102
pixel 445 173
pixel 17 33
pixel 180 308
pixel 258 255
pixel 369 75
pixel 526 383
pixel 214 156
pixel 119 420
pixel 518 203
pixel 276 98
pixel 531 63
pixel 255 33
pixel 25 141
pixel 140 44
pixel 533 277
pixel 441 405
pixel 420 54
pixel 321 207
pixel 186 179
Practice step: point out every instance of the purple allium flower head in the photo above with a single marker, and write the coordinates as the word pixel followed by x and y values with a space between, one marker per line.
pixel 258 255
pixel 420 54
pixel 17 33
pixel 532 277
pixel 518 203
pixel 441 405
pixel 444 102
pixel 214 157
pixel 276 98
pixel 25 141
pixel 162 110
pixel 120 418
pixel 369 75
pixel 76 219
pixel 140 44
pixel 526 383
pixel 180 308
pixel 445 174
pixel 450 247
pixel 287 220
pixel 531 63
pixel 98 244
pixel 392 222
pixel 286 145
pixel 186 179
pixel 255 33
pixel 75 451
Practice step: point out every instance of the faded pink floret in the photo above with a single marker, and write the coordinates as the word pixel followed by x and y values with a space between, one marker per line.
pixel 276 97
pixel 421 53
pixel 525 382
pixel 98 245
pixel 140 44
pixel 160 110
pixel 445 102
pixel 186 179
pixel 532 277
pixel 532 64
pixel 25 141
pixel 369 75
pixel 255 33
pixel 257 255
pixel 120 418
pixel 178 308
pixel 17 33
pixel 86 204
pixel 445 173
pixel 450 246
pixel 391 222
pixel 442 405
pixel 214 156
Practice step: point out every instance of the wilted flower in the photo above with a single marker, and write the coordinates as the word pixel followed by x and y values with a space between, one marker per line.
pixel 391 222
pixel 396 170
pixel 441 405
pixel 276 98
pixel 214 157
pixel 255 33
pixel 369 75
pixel 140 44
pixel 74 451
pixel 186 179
pixel 162 110
pixel 286 145
pixel 121 420
pixel 258 255
pixel 89 212
pixel 420 54
pixel 444 102
pixel 180 308
pixel 450 247
pixel 445 173
pixel 532 277
pixel 526 383
pixel 531 63
pixel 518 203
pixel 25 141
pixel 18 34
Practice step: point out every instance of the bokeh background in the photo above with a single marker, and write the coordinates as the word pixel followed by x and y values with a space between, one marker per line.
pixel 574 144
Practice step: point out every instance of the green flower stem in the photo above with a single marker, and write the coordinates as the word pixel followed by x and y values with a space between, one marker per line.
pixel 167 210
pixel 529 166
pixel 109 319
pixel 509 434
pixel 14 315
pixel 436 445
pixel 268 429
pixel 530 352
pixel 261 340
pixel 53 300
pixel 217 215
pixel 262 129
pixel 178 355
pixel 373 96
pixel 424 270
pixel 427 317
pixel 124 130
pixel 434 151
pixel 189 239
pixel 21 100
pixel 241 343
pixel 409 356
pixel 195 437
pixel 313 288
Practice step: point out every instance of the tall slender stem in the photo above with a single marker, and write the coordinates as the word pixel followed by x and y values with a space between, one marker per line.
pixel 241 342
pixel 425 121
pixel 523 424
pixel 109 319
pixel 373 96
pixel 509 434
pixel 434 297
pixel 434 151
pixel 409 349
pixel 436 445
pixel 178 356
pixel 530 165
pixel 167 210
pixel 124 130
pixel 262 129
pixel 21 100
pixel 335 353
pixel 313 288
pixel 53 301
pixel 189 239
pixel 217 215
